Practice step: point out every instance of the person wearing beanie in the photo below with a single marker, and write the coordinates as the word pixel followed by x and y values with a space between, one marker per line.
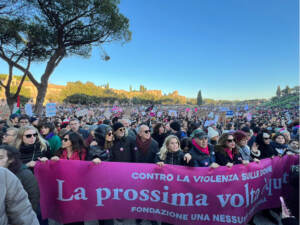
pixel 213 135
pixel 176 130
pixel 117 126
pixel 203 154
pixel 123 145
pixel 241 138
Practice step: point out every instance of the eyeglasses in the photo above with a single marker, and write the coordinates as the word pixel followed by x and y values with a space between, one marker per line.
pixel 146 131
pixel 65 139
pixel 121 129
pixel 230 140
pixel 31 135
pixel 109 134
pixel 267 138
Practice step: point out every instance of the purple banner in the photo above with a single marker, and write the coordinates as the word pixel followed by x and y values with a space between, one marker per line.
pixel 81 191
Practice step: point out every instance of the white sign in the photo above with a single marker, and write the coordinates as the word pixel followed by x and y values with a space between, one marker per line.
pixel 50 109
pixel 28 110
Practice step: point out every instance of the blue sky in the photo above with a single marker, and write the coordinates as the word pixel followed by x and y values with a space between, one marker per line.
pixel 228 49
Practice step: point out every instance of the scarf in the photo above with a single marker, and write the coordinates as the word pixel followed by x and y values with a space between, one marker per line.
pixel 75 155
pixel 204 150
pixel 229 153
pixel 143 146
pixel 50 135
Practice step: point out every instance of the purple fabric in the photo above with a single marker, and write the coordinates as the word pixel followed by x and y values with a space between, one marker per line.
pixel 82 191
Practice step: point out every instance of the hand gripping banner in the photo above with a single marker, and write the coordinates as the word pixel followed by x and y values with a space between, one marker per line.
pixel 82 191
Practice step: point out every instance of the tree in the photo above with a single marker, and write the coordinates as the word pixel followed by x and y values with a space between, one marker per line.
pixel 64 28
pixel 278 92
pixel 288 90
pixel 199 98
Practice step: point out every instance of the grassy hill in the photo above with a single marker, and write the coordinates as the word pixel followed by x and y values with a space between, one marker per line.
pixel 286 101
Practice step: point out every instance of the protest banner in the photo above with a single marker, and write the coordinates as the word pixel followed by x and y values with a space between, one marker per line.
pixel 72 190
pixel 50 109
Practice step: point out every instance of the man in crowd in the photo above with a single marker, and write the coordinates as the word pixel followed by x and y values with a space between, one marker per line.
pixel 75 127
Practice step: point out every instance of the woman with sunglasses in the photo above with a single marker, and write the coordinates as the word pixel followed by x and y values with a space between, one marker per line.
pixel 101 152
pixel 73 147
pixel 263 143
pixel 32 146
pixel 104 141
pixel 227 154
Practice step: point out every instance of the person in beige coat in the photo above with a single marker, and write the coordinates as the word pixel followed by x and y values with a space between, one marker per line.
pixel 15 208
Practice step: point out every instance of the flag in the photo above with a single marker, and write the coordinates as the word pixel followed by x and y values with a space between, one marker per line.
pixel 16 109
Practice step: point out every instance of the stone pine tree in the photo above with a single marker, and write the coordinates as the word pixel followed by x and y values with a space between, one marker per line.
pixel 278 92
pixel 50 30
pixel 199 98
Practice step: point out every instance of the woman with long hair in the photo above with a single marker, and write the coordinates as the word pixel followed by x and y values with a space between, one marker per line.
pixel 227 154
pixel 263 143
pixel 31 146
pixel 159 134
pixel 170 153
pixel 48 131
pixel 73 147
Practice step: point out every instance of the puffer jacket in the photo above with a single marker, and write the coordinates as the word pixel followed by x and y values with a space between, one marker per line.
pixel 201 159
pixel 98 152
pixel 15 207
pixel 174 158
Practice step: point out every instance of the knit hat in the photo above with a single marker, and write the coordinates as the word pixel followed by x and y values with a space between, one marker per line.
pixel 239 135
pixel 212 132
pixel 117 125
pixel 175 126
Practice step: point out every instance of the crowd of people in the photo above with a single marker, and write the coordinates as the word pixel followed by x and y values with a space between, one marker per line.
pixel 142 136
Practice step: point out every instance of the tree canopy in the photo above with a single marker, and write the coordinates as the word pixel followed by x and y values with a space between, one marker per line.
pixel 50 30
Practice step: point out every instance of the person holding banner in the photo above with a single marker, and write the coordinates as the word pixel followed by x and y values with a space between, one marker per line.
pixel 241 138
pixel 279 143
pixel 263 143
pixel 73 147
pixel 170 153
pixel 32 146
pixel 104 139
pixel 100 152
pixel 203 154
pixel 227 154
pixel 123 146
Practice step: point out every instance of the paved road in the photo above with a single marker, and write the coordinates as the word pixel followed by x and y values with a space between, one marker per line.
pixel 258 220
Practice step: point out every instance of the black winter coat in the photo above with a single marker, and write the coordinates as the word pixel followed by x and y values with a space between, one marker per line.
pixel 97 152
pixel 33 152
pixel 123 150
pixel 30 185
pixel 222 158
pixel 174 158
pixel 149 156
pixel 160 138
pixel 201 159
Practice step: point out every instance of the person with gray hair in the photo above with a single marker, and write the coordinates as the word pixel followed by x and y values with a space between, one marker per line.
pixel 10 136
